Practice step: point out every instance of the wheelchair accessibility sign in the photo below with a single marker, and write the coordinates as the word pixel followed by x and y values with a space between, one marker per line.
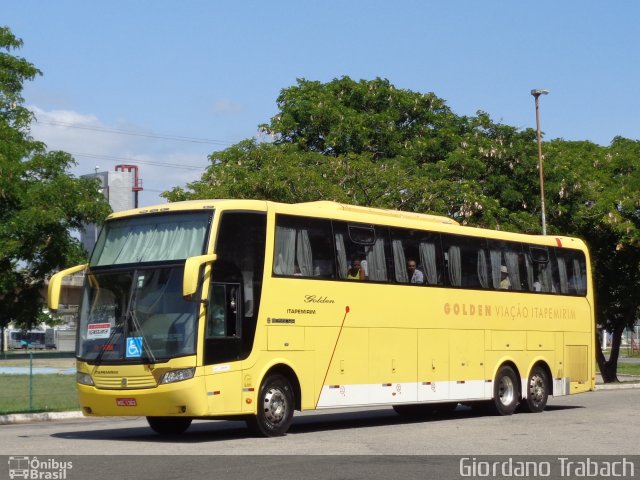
pixel 134 347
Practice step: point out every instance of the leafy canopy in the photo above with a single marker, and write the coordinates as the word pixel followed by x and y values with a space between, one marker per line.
pixel 370 143
pixel 40 203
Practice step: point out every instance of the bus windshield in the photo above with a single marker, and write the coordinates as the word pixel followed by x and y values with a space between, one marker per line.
pixel 136 315
pixel 151 238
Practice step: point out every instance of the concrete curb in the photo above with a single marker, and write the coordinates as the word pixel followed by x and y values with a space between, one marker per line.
pixel 617 386
pixel 37 417
pixel 625 382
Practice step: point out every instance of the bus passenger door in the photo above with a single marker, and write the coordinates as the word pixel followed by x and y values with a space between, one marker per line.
pixel 233 305
pixel 223 331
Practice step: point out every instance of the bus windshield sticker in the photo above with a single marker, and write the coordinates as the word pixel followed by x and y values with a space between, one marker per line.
pixel 134 347
pixel 97 331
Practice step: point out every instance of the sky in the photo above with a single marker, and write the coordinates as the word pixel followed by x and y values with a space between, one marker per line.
pixel 162 84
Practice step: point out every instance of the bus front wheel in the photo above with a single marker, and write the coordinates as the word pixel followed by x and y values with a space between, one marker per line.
pixel 275 407
pixel 505 391
pixel 169 425
pixel 537 390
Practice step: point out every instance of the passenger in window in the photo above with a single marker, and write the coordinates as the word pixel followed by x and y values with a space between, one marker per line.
pixel 505 283
pixel 356 272
pixel 415 275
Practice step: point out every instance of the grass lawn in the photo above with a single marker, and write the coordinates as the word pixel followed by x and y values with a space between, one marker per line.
pixel 628 368
pixel 48 393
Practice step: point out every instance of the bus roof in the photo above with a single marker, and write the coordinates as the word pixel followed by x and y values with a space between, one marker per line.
pixel 335 206
pixel 331 209
pixel 263 205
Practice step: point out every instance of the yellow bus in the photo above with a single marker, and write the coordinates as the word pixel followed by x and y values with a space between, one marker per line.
pixel 255 309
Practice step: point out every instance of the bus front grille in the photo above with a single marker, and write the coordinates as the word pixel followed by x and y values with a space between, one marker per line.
pixel 113 382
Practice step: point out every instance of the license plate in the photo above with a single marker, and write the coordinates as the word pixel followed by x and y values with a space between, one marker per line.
pixel 126 402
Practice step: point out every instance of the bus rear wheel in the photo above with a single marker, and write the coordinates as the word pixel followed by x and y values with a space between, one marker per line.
pixel 537 390
pixel 505 391
pixel 275 407
pixel 169 425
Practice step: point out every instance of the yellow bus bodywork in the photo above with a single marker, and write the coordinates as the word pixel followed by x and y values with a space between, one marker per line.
pixel 354 343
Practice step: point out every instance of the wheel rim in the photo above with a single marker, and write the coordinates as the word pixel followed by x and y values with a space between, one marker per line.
pixel 506 391
pixel 536 389
pixel 275 406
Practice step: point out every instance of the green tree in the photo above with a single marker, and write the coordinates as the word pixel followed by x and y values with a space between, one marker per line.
pixel 598 198
pixel 369 143
pixel 40 203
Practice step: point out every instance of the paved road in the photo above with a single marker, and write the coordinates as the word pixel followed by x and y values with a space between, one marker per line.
pixel 371 444
pixel 602 422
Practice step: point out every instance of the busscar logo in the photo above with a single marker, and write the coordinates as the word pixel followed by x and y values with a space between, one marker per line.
pixel 34 468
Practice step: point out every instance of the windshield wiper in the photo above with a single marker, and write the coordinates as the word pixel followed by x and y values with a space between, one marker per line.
pixel 103 348
pixel 131 313
pixel 145 345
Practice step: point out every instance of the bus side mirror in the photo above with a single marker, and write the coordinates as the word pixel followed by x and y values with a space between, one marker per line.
pixel 55 284
pixel 192 273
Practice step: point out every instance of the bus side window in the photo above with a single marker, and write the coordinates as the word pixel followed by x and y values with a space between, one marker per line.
pixel 579 273
pixel 366 244
pixel 571 272
pixel 222 311
pixel 538 270
pixel 421 248
pixel 508 270
pixel 216 315
pixel 467 261
pixel 303 247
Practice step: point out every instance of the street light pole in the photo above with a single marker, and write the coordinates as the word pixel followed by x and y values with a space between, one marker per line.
pixel 536 94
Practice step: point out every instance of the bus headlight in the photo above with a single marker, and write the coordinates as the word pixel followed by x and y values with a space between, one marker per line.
pixel 84 379
pixel 178 375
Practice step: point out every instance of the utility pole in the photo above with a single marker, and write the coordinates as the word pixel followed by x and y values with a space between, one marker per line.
pixel 536 94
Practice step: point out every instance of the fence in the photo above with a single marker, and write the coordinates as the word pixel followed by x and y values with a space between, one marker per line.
pixel 629 342
pixel 37 382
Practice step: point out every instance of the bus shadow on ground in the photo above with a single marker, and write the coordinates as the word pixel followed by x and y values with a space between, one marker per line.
pixel 383 417
pixel 224 430
pixel 201 431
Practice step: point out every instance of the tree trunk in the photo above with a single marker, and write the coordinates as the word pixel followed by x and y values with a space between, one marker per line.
pixel 609 368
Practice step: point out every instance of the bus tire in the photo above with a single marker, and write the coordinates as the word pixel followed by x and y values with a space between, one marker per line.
pixel 537 390
pixel 169 425
pixel 275 407
pixel 505 391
